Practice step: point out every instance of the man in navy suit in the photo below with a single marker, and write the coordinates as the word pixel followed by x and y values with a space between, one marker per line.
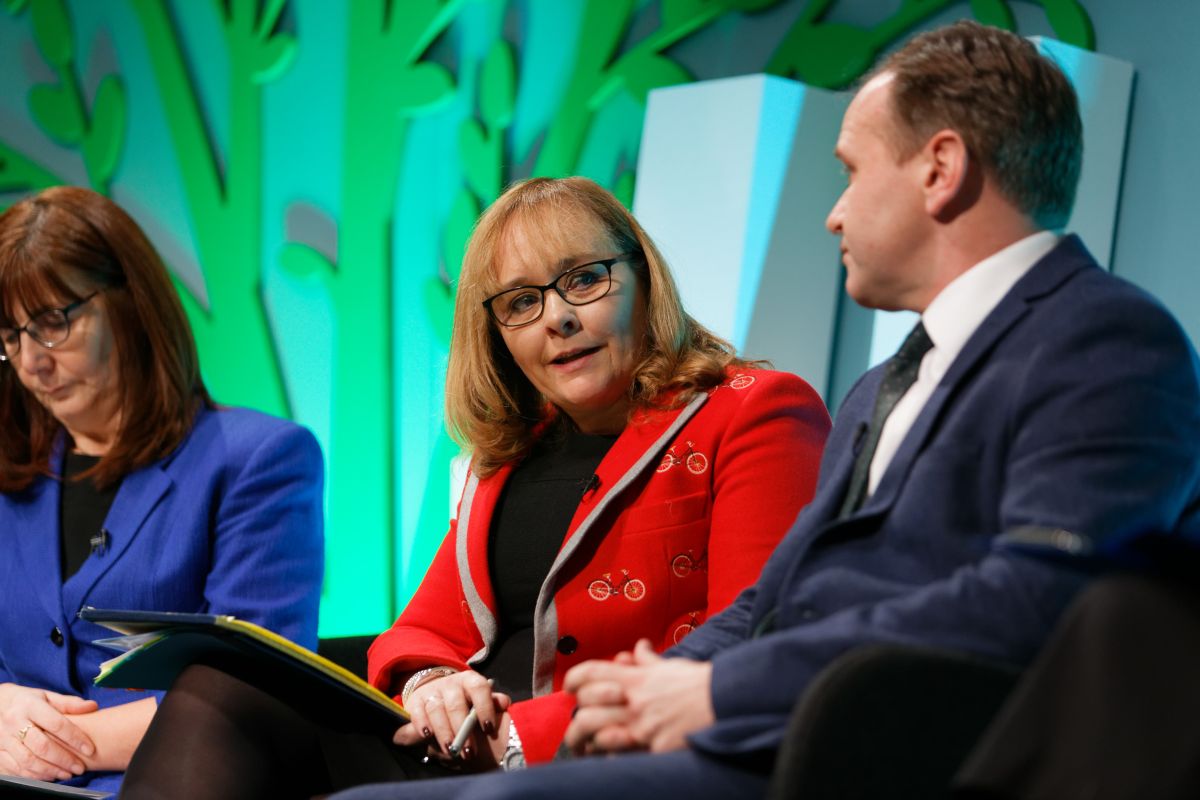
pixel 1042 409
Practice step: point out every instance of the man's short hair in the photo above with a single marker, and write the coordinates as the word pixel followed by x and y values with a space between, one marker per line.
pixel 1014 108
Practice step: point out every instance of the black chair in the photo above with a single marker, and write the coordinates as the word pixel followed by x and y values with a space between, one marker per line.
pixel 347 651
pixel 888 721
pixel 1108 710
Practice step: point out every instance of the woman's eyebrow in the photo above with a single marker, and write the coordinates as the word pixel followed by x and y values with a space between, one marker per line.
pixel 565 264
pixel 571 262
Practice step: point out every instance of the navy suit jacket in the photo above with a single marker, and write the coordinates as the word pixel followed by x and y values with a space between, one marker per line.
pixel 1075 405
pixel 230 523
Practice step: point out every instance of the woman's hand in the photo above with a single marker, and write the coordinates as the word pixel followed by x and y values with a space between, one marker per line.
pixel 36 738
pixel 438 707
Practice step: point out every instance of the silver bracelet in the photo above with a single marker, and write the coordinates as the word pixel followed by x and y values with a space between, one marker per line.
pixel 514 754
pixel 422 676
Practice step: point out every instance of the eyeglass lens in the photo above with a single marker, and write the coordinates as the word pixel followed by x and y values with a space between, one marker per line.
pixel 48 329
pixel 578 287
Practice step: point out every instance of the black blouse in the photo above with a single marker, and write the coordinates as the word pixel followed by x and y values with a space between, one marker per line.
pixel 531 521
pixel 82 510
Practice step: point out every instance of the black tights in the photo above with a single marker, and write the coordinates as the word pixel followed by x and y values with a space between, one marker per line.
pixel 215 736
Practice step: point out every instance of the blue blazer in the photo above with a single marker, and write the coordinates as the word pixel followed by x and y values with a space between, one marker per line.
pixel 1075 405
pixel 230 523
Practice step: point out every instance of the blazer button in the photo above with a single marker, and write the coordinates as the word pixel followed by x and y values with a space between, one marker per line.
pixel 566 645
pixel 56 636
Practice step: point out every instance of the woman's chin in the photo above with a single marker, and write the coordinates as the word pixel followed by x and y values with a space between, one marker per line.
pixel 604 416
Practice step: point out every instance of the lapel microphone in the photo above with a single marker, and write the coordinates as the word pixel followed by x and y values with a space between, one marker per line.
pixel 99 542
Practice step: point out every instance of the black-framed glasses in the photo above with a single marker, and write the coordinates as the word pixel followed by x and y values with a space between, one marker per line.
pixel 48 328
pixel 522 305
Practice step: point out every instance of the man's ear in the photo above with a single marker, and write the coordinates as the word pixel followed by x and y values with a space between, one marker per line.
pixel 948 175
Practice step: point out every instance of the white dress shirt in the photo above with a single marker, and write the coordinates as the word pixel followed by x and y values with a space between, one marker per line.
pixel 950 320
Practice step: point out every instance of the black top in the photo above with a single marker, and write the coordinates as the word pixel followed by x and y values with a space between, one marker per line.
pixel 530 523
pixel 82 511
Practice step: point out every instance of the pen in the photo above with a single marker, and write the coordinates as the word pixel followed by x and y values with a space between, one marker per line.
pixel 464 730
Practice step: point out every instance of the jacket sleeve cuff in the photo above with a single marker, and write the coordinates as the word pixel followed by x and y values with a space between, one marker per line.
pixel 542 722
pixel 386 659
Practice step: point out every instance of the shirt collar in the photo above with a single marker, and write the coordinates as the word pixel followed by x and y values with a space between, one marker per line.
pixel 961 307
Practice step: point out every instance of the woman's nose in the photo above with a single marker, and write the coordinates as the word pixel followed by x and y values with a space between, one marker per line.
pixel 33 356
pixel 559 315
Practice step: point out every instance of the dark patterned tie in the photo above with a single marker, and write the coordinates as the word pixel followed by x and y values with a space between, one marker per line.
pixel 899 374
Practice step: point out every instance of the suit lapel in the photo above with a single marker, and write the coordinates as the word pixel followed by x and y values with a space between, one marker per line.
pixel 827 503
pixel 139 494
pixel 1068 257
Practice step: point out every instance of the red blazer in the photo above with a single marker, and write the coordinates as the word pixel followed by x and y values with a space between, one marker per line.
pixel 684 510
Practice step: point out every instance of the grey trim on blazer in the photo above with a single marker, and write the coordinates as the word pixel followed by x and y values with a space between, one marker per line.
pixel 545 618
pixel 485 621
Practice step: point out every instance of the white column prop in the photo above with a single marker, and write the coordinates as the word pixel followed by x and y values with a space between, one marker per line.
pixel 734 179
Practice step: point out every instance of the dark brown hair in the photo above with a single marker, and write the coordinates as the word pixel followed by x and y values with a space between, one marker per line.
pixel 1014 108
pixel 61 245
pixel 491 407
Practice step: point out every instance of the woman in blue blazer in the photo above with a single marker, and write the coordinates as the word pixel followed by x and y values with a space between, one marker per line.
pixel 122 485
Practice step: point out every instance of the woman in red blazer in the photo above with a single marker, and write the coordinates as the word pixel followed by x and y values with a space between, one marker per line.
pixel 629 476
pixel 568 316
pixel 684 509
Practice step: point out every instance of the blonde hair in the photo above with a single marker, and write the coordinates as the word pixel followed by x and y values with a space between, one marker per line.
pixel 491 407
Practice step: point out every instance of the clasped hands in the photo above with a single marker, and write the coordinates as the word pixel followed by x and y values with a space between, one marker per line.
pixel 638 701
pixel 437 709
pixel 37 739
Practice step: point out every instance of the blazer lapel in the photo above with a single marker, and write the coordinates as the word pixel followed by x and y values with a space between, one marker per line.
pixel 1068 257
pixel 639 447
pixel 37 534
pixel 476 512
pixel 139 494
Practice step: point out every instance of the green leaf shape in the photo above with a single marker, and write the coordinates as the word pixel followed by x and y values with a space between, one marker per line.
pixel 815 10
pixel 106 134
pixel 480 159
pixel 301 261
pixel 459 224
pixel 828 56
pixel 18 173
pixel 640 75
pixel 623 188
pixel 496 98
pixel 273 58
pixel 58 113
pixel 604 22
pixel 678 12
pixel 407 14
pixel 439 306
pixel 993 12
pixel 750 6
pixel 269 17
pixel 422 87
pixel 241 16
pixel 15 7
pixel 52 32
pixel 1071 23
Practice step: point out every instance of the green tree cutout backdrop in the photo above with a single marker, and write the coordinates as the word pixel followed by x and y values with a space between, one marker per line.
pixel 323 164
